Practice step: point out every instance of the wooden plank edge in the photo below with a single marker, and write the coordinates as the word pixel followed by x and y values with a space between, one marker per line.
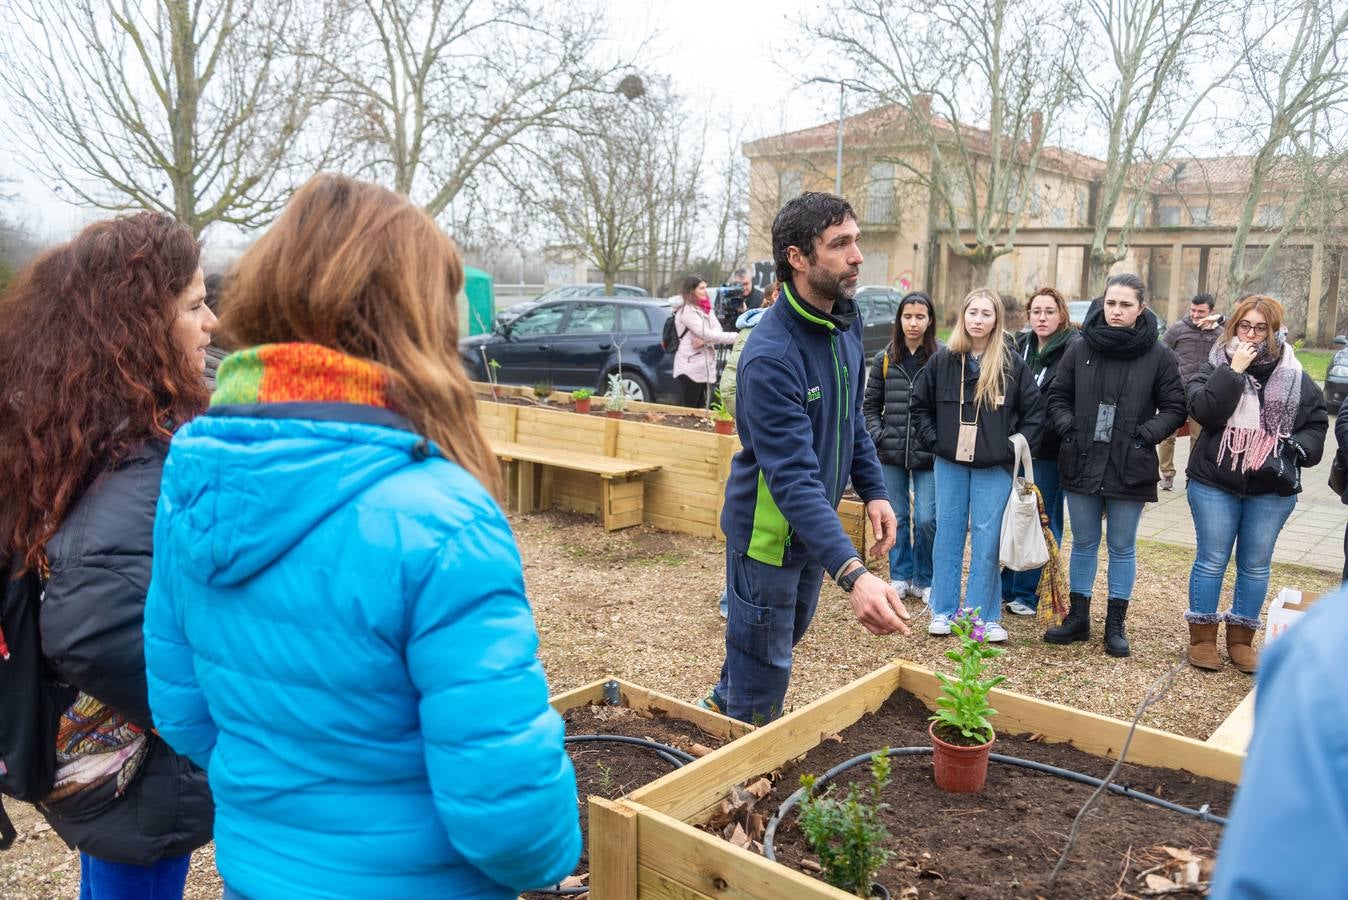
pixel 1236 729
pixel 612 849
pixel 692 792
pixel 714 723
pixel 581 696
pixel 710 866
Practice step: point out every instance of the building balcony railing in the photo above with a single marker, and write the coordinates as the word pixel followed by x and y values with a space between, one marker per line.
pixel 879 211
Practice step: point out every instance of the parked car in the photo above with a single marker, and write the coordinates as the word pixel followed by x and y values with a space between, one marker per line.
pixel 574 343
pixel 1336 380
pixel 568 292
pixel 878 306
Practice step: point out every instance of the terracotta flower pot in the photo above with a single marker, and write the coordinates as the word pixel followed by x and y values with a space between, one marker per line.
pixel 960 770
pixel 614 413
pixel 723 426
pixel 582 404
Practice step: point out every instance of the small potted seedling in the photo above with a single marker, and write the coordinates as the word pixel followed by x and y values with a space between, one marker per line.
pixel 542 391
pixel 961 732
pixel 615 400
pixel 722 420
pixel 848 834
pixel 493 370
pixel 581 398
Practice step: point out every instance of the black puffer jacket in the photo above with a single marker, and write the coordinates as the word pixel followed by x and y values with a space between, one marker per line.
pixel 887 406
pixel 1213 395
pixel 1047 448
pixel 936 409
pixel 93 613
pixel 1132 370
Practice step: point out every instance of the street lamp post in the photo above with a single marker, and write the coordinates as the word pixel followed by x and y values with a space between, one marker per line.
pixel 842 89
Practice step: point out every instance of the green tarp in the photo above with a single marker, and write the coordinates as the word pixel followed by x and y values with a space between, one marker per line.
pixel 480 296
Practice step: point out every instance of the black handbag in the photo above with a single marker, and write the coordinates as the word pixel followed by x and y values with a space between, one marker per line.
pixel 1282 467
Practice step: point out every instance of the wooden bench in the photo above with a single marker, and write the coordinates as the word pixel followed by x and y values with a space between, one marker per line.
pixel 529 482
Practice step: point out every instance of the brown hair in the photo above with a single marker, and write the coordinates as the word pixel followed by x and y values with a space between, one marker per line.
pixel 1058 298
pixel 1266 306
pixel 89 367
pixel 359 269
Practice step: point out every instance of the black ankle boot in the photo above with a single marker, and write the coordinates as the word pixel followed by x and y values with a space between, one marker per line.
pixel 1076 625
pixel 1116 639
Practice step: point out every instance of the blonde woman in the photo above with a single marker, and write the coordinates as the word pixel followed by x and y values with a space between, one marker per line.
pixel 337 629
pixel 967 402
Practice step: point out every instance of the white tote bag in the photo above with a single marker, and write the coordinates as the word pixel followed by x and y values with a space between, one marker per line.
pixel 1023 547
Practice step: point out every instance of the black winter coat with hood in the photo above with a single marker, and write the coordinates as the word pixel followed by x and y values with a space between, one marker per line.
pixel 92 620
pixel 937 411
pixel 1129 368
pixel 1213 396
pixel 1047 448
pixel 888 408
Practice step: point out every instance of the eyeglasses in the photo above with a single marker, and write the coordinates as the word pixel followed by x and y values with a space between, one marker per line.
pixel 1243 327
pixel 1042 313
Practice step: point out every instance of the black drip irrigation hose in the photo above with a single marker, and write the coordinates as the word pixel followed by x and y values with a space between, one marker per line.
pixel 672 755
pixel 1202 813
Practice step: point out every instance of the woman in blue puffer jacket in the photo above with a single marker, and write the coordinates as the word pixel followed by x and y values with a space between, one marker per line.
pixel 336 627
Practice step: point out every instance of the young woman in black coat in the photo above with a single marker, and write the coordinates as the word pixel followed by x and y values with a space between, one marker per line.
pixel 102 355
pixel 1263 420
pixel 1041 347
pixel 1116 396
pixel 888 408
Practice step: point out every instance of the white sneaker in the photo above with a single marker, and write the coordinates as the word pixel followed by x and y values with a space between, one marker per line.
pixel 995 633
pixel 923 594
pixel 901 587
pixel 1020 609
pixel 940 625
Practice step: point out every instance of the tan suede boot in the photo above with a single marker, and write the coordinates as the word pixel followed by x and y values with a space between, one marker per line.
pixel 1239 641
pixel 1203 647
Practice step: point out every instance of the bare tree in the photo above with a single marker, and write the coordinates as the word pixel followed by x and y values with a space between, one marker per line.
pixel 1140 92
pixel 620 188
pixel 949 67
pixel 435 89
pixel 1298 98
pixel 195 109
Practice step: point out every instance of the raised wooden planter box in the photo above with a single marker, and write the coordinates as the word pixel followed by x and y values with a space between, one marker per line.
pixel 685 495
pixel 675 861
pixel 612 850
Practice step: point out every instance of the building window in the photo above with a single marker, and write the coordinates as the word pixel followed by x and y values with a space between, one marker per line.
pixel 1201 215
pixel 1271 216
pixel 790 184
pixel 1057 217
pixel 880 207
pixel 1168 216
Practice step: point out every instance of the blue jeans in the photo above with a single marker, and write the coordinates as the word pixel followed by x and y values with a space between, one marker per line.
pixel 910 559
pixel 102 880
pixel 1024 586
pixel 1085 513
pixel 1251 524
pixel 969 502
pixel 770 608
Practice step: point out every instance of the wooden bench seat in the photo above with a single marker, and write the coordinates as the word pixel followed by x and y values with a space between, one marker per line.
pixel 529 482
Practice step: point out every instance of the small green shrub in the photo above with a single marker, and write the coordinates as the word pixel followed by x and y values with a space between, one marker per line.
pixel 848 834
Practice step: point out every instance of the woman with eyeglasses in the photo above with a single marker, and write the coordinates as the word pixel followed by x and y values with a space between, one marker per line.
pixel 1116 396
pixel 1263 420
pixel 1042 348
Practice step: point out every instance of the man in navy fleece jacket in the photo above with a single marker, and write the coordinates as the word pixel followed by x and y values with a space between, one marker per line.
pixel 798 412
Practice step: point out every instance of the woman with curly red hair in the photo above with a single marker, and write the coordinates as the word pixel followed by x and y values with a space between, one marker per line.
pixel 102 356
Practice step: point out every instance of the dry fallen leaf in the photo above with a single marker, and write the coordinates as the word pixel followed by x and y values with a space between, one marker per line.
pixel 1181 855
pixel 739 838
pixel 759 789
pixel 1158 883
pixel 908 893
pixel 699 750
pixel 810 866
pixel 832 738
pixel 575 881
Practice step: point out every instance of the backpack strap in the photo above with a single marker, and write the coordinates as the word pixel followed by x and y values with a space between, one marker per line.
pixel 884 365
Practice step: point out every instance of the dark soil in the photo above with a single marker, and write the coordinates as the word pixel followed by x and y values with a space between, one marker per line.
pixel 613 770
pixel 694 423
pixel 1005 841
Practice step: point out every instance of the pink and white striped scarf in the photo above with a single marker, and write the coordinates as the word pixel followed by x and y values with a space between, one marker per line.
pixel 1253 430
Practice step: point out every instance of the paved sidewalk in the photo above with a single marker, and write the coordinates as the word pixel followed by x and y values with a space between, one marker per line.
pixel 1313 535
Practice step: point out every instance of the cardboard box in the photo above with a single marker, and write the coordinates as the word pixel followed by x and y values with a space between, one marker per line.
pixel 1286 610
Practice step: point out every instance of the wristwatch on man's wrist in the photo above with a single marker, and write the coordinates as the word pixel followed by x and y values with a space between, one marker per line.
pixel 847 581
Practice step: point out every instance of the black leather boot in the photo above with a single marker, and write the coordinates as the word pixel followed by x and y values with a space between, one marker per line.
pixel 1116 639
pixel 1076 625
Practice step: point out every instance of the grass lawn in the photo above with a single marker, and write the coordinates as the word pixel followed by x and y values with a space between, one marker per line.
pixel 1315 362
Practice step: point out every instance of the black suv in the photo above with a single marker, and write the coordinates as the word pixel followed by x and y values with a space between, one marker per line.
pixel 878 307
pixel 574 343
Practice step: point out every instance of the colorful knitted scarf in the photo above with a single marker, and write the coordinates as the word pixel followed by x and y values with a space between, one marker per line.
pixel 1253 430
pixel 300 373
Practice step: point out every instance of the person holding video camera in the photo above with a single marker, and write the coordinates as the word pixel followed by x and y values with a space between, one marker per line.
pixel 737 296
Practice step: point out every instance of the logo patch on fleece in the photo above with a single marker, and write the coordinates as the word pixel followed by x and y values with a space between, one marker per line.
pixel 813 394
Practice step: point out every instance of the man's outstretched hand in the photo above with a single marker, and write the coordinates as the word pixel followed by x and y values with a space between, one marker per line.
pixel 884 524
pixel 878 606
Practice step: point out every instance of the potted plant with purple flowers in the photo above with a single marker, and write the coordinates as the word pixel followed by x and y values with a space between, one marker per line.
pixel 961 732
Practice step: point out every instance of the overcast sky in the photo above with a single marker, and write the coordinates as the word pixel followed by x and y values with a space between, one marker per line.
pixel 724 55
